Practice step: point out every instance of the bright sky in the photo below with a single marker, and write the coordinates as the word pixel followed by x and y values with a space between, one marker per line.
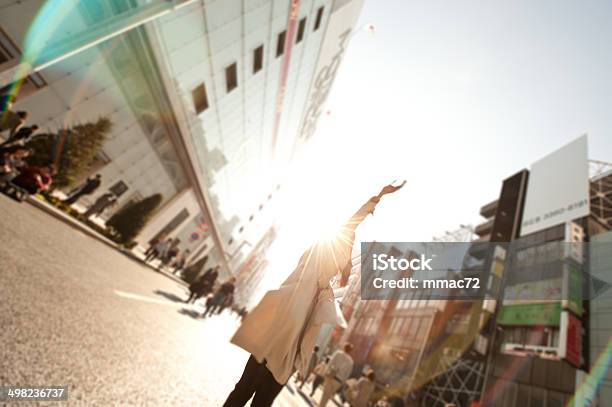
pixel 453 97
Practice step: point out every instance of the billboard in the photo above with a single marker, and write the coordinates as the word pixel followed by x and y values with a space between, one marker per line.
pixel 539 291
pixel 558 189
pixel 547 314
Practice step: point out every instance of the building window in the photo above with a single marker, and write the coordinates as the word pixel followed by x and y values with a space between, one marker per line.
pixel 118 188
pixel 258 59
pixel 9 51
pixel 172 225
pixel 319 18
pixel 300 33
pixel 280 44
pixel 231 77
pixel 200 99
pixel 3 56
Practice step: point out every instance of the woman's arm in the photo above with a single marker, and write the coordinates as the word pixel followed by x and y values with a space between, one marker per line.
pixel 370 205
pixel 349 228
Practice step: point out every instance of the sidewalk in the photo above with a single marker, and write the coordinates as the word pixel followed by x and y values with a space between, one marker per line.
pixel 75 224
pixel 292 396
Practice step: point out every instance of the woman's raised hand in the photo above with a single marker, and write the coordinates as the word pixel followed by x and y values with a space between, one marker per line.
pixel 389 189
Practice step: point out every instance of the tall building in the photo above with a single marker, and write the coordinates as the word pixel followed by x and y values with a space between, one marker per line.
pixel 533 337
pixel 209 101
pixel 537 344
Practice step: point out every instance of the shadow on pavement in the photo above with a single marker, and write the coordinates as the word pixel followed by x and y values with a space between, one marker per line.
pixel 190 313
pixel 293 390
pixel 169 296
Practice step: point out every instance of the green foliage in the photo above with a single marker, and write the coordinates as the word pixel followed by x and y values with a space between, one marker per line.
pixel 42 145
pixel 84 143
pixel 132 217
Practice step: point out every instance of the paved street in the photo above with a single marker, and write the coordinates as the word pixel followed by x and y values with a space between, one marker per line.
pixel 75 312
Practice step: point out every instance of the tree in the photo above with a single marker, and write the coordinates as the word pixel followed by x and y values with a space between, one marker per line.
pixel 80 148
pixel 132 217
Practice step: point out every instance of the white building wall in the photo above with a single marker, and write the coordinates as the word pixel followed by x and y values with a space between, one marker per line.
pixel 82 89
pixel 240 123
pixel 233 137
pixel 184 200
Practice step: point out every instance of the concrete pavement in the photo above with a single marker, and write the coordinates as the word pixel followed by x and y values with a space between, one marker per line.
pixel 76 312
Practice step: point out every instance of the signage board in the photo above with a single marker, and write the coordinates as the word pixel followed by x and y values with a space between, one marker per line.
pixel 530 314
pixel 570 339
pixel 572 286
pixel 534 292
pixel 558 188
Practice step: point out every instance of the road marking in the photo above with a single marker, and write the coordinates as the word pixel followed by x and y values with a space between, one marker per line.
pixel 144 298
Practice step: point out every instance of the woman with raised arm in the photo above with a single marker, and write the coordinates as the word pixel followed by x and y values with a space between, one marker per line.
pixel 281 331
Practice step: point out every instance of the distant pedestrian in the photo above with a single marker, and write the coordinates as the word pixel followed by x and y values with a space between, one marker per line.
pixel 35 179
pixel 193 269
pixel 203 286
pixel 169 254
pixel 21 136
pixel 210 303
pixel 103 202
pixel 11 162
pixel 159 249
pixel 319 375
pixel 179 263
pixel 87 188
pixel 359 394
pixel 227 302
pixel 339 369
pixel 281 331
pixel 225 291
pixel 242 312
pixel 313 362
pixel 12 122
pixel 152 243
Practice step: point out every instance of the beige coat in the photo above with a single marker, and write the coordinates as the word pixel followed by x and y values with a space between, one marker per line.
pixel 284 326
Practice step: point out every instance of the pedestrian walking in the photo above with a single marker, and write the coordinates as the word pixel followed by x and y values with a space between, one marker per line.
pixel 159 249
pixel 314 361
pixel 338 371
pixel 11 162
pixel 178 264
pixel 35 179
pixel 169 254
pixel 319 375
pixel 210 303
pixel 101 204
pixel 227 302
pixel 152 243
pixel 225 291
pixel 87 188
pixel 192 271
pixel 12 122
pixel 204 285
pixel 358 395
pixel 21 136
pixel 280 332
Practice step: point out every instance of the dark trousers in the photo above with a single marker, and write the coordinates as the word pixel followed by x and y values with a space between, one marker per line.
pixel 256 379
pixel 318 380
pixel 75 197
pixel 152 255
